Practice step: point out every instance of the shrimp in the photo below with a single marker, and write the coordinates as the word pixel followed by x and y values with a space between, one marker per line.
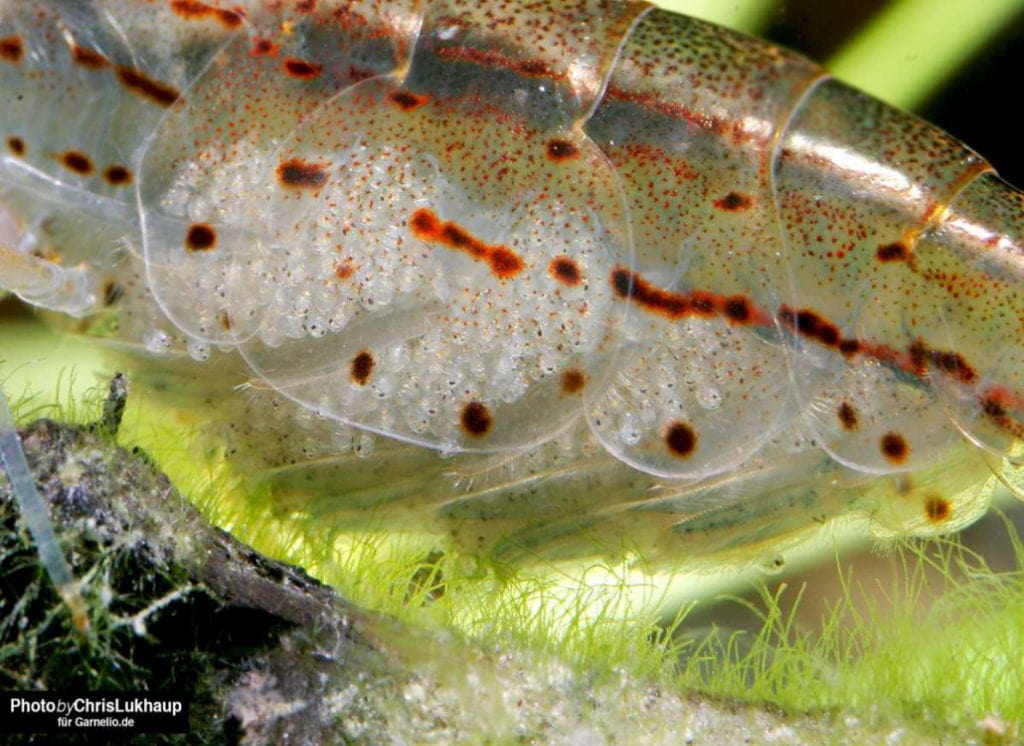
pixel 551 280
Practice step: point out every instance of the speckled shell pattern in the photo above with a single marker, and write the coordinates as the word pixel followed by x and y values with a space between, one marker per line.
pixel 646 284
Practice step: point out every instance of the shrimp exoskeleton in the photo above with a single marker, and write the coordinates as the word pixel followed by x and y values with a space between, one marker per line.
pixel 650 284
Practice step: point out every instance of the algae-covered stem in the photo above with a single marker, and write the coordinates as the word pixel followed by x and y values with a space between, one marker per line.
pixel 30 503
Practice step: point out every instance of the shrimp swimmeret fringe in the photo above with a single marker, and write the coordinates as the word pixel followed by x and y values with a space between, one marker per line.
pixel 654 288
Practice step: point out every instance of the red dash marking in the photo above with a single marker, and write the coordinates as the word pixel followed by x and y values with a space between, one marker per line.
pixel 893 252
pixel 994 404
pixel 407 101
pixel 681 439
pixel 12 49
pixel 573 381
pixel 89 58
pixel 140 83
pixel 361 367
pixel 264 48
pixel 562 150
pixel 301 69
pixel 937 509
pixel 305 6
pixel 894 448
pixel 16 145
pixel 734 202
pixel 117 175
pixel 531 68
pixel 77 162
pixel 808 323
pixel 476 419
pixel 565 270
pixel 301 174
pixel 224 320
pixel 949 363
pixel 848 416
pixel 953 364
pixel 200 237
pixel 356 74
pixel 193 10
pixel 427 227
pixel 737 309
pixel 630 285
pixel 655 102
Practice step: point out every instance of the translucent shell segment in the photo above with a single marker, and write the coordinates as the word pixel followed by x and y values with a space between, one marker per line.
pixel 970 262
pixel 538 43
pixel 216 145
pixel 861 301
pixel 114 86
pixel 384 256
pixel 705 382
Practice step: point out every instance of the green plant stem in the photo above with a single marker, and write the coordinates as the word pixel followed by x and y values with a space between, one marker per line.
pixel 910 49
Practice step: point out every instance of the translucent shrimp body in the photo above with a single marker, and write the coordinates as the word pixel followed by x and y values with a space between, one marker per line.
pixel 652 285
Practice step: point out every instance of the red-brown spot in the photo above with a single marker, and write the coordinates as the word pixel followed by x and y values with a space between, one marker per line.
pixel 426 226
pixel 301 174
pixel 894 447
pixel 734 202
pixel 847 416
pixel 76 161
pixel 112 293
pixel 893 252
pixel 737 309
pixel 117 175
pixel 16 145
pixel 200 237
pixel 573 381
pixel 681 439
pixel 344 271
pixel 918 353
pixel 407 101
pixel 305 6
pixel 224 320
pixel 476 419
pixel 193 10
pixel 264 48
pixel 504 262
pixel 89 58
pixel 361 367
pixel 12 49
pixel 138 82
pixel 808 323
pixel 993 408
pixel 565 270
pixel 562 150
pixel 849 347
pixel 301 69
pixel 937 509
